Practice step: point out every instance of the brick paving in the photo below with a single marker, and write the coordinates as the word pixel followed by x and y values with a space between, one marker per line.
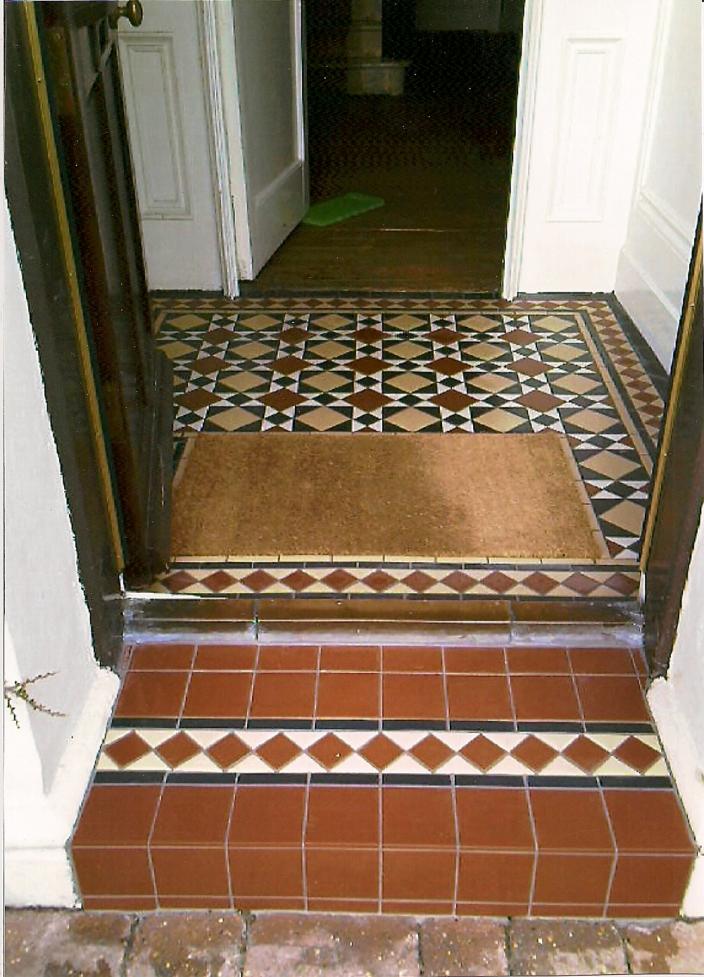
pixel 209 944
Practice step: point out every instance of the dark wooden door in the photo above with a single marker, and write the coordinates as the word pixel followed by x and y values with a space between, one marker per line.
pixel 133 378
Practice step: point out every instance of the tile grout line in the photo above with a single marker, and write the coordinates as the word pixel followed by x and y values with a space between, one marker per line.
pixel 536 849
pixel 304 831
pixel 253 680
pixel 187 687
pixel 455 816
pixel 316 685
pixel 445 692
pixel 614 861
pixel 575 688
pixel 507 672
pixel 380 842
pixel 227 847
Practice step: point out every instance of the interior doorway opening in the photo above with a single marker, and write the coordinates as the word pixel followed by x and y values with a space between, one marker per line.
pixel 413 102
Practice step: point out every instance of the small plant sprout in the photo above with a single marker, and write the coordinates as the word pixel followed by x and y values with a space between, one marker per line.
pixel 20 690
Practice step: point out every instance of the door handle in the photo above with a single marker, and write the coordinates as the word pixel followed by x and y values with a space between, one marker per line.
pixel 132 10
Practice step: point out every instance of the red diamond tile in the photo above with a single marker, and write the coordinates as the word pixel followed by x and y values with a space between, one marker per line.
pixel 419 581
pixel 217 581
pixel 258 581
pixel 379 581
pixel 367 400
pixel 520 337
pixel 228 750
pixel 482 752
pixel 339 580
pixel 447 366
pixel 293 335
pixel 368 335
pixel 298 580
pixel 368 365
pixel 278 751
pixel 541 583
pixel 459 581
pixel 531 368
pixel 444 336
pixel 207 365
pixel 127 749
pixel 534 753
pixel 586 754
pixel 282 399
pixel 431 752
pixel 177 749
pixel 178 581
pixel 539 400
pixel 637 754
pixel 622 584
pixel 380 751
pixel 289 365
pixel 329 751
pixel 453 400
pixel 499 582
pixel 580 583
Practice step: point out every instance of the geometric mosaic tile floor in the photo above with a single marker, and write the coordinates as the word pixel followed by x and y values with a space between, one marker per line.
pixel 445 780
pixel 437 365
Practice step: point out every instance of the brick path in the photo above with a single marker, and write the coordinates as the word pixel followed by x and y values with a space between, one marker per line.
pixel 74 944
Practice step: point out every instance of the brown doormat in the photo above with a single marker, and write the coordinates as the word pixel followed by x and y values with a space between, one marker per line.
pixel 409 496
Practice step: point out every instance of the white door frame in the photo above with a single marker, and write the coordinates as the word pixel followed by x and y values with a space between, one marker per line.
pixel 219 54
pixel 525 114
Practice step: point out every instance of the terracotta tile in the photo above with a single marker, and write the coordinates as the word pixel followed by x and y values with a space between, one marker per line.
pixel 612 698
pixel 571 820
pixel 545 661
pixel 353 874
pixel 416 907
pixel 266 872
pixel 348 695
pixel 413 697
pixel 253 903
pixel 117 815
pixel 491 909
pixel 544 697
pixel 127 749
pixel 657 879
pixel 431 752
pixel 350 658
pixel 158 694
pixel 412 659
pixel 264 816
pixel 227 750
pixel 475 660
pixel 192 816
pixel 586 754
pixel 418 816
pixel 278 751
pixel 639 662
pixel 534 753
pixel 177 749
pixel 113 871
pixel 572 878
pixel 283 695
pixel 188 903
pixel 576 910
pixel 478 697
pixel 619 910
pixel 380 751
pixel 341 816
pixel 190 871
pixel 226 657
pixel 329 751
pixel 135 904
pixel 647 820
pixel 418 875
pixel 601 661
pixel 218 694
pixel 496 817
pixel 157 656
pixel 288 658
pixel 495 876
pixel 343 905
pixel 637 754
pixel 482 752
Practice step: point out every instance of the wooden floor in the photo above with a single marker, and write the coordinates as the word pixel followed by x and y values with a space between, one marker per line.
pixel 446 188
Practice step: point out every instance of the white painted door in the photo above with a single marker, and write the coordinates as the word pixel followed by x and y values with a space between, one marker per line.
pixel 652 272
pixel 580 133
pixel 269 55
pixel 168 125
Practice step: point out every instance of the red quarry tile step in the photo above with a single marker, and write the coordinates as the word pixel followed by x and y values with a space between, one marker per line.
pixel 444 780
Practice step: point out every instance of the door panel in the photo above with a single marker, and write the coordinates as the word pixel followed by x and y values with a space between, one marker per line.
pixel 269 50
pixel 167 121
pixel 134 379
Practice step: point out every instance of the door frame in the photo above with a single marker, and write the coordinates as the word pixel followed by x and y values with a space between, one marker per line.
pixel 222 83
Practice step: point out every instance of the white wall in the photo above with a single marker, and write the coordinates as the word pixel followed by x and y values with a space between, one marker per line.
pixel 592 62
pixel 47 760
pixel 652 272
pixel 676 702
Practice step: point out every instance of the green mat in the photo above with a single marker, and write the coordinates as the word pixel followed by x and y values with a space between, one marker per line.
pixel 341 209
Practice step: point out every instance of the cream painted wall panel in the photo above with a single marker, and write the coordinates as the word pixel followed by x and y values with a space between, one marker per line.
pixel 654 263
pixel 592 76
pixel 166 101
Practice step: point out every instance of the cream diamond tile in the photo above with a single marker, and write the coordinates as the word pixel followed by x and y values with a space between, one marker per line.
pixel 591 421
pixel 491 382
pixel 243 381
pixel 411 419
pixel 409 382
pixel 250 351
pixel 482 351
pixel 478 323
pixel 626 515
pixel 329 350
pixel 325 381
pixel 610 464
pixel 575 383
pixel 551 323
pixel 404 321
pixel 563 352
pixel 233 419
pixel 500 420
pixel 322 418
pixel 188 321
pixel 407 351
pixel 333 321
pixel 257 322
pixel 175 349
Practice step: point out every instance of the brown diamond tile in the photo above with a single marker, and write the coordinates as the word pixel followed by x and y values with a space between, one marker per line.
pixel 419 581
pixel 258 581
pixel 227 751
pixel 217 581
pixel 368 365
pixel 379 581
pixel 528 367
pixel 534 753
pixel 447 366
pixel 329 751
pixel 541 583
pixel 339 579
pixel 294 335
pixel 176 582
pixel 444 336
pixel 288 365
pixel 431 752
pixel 482 752
pixel 380 751
pixel 498 582
pixel 282 399
pixel 368 335
pixel 367 400
pixel 637 754
pixel 278 751
pixel 539 400
pixel 177 749
pixel 127 749
pixel 453 400
pixel 197 399
pixel 586 754
pixel 208 365
pixel 520 337
pixel 299 580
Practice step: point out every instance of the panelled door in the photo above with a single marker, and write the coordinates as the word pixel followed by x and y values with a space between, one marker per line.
pixel 133 378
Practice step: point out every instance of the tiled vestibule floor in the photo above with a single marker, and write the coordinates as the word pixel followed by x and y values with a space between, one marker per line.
pixel 421 779
pixel 433 365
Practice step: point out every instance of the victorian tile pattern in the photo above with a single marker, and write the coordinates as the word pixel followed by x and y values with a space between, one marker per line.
pixel 447 779
pixel 422 365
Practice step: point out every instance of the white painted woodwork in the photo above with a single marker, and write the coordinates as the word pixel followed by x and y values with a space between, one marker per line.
pixel 580 140
pixel 168 115
pixel 269 55
pixel 653 268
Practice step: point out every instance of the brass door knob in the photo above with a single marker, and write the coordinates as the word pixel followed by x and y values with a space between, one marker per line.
pixel 132 10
